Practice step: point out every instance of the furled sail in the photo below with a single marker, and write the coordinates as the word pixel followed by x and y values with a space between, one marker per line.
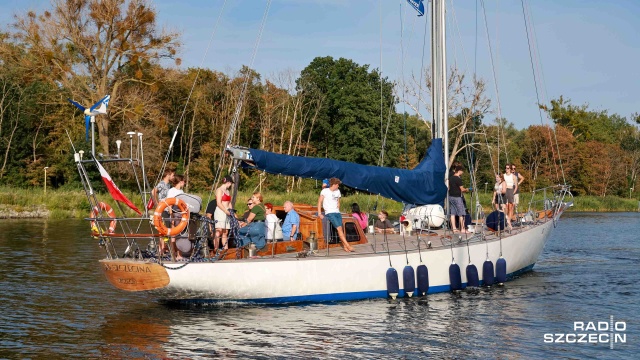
pixel 422 185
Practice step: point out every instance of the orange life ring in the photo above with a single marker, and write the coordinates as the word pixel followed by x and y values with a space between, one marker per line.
pixel 106 208
pixel 159 223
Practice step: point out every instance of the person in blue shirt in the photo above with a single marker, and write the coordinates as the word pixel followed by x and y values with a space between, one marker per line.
pixel 291 224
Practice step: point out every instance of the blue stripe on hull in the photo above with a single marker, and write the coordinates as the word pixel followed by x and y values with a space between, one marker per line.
pixel 337 296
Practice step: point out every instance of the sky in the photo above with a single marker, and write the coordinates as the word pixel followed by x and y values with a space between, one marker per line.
pixel 587 49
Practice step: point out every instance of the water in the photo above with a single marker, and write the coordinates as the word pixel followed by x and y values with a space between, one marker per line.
pixel 55 303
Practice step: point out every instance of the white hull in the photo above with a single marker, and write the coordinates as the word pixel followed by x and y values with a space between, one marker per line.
pixel 345 277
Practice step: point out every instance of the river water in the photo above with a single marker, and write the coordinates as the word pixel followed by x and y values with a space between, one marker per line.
pixel 56 303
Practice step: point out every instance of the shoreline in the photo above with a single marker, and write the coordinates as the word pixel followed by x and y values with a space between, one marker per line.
pixel 22 212
pixel 41 212
pixel 34 203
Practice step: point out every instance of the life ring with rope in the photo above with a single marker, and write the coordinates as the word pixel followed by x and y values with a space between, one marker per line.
pixel 158 222
pixel 97 210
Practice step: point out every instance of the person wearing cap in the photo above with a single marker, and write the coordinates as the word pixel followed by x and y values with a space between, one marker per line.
pixel 325 183
pixel 329 199
pixel 222 213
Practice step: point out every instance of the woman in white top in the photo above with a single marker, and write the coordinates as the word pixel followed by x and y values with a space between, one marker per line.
pixel 274 230
pixel 499 190
pixel 512 186
pixel 178 184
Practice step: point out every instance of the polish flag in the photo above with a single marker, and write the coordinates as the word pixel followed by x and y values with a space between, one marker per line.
pixel 116 194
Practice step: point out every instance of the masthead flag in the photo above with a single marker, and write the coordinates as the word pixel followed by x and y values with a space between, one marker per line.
pixel 418 5
pixel 116 194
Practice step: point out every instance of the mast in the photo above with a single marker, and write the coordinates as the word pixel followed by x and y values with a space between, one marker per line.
pixel 439 77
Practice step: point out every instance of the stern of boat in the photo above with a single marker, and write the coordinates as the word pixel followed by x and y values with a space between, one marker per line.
pixel 131 275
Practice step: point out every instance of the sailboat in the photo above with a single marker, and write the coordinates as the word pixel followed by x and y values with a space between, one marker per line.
pixel 314 268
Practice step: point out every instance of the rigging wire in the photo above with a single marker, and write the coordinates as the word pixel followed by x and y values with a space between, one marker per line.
pixel 195 80
pixel 495 82
pixel 404 104
pixel 475 55
pixel 399 68
pixel 532 45
pixel 384 132
pixel 239 105
pixel 469 142
pixel 424 45
pixel 381 106
pixel 454 20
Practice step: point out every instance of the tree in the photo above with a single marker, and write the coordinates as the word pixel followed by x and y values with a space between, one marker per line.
pixel 586 124
pixel 93 47
pixel 467 106
pixel 350 124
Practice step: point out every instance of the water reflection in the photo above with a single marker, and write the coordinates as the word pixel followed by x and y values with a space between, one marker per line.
pixel 134 334
pixel 57 303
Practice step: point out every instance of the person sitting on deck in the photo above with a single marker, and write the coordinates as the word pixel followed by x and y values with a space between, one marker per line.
pixel 243 219
pixel 274 231
pixel 329 199
pixel 253 230
pixel 383 225
pixel 360 217
pixel 291 224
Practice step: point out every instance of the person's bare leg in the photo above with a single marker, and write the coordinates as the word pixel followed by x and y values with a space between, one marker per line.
pixel 225 239
pixel 163 246
pixel 463 229
pixel 175 254
pixel 512 210
pixel 343 238
pixel 216 240
pixel 453 223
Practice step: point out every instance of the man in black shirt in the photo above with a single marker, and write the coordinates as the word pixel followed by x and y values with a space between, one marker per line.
pixel 456 205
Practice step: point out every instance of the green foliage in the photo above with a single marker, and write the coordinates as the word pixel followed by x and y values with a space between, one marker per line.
pixel 587 124
pixel 337 109
pixel 351 126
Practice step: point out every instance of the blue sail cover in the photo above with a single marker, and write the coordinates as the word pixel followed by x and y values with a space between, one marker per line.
pixel 420 186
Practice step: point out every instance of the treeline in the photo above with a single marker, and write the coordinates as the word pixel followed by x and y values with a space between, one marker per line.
pixel 333 108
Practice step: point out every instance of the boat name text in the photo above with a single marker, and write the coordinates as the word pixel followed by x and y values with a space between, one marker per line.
pixel 128 268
